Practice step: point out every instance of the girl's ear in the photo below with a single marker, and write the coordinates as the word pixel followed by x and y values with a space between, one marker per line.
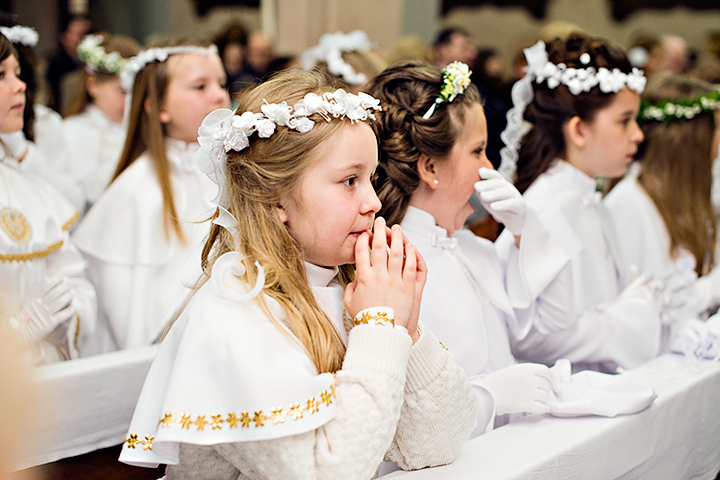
pixel 163 115
pixel 282 213
pixel 92 86
pixel 427 171
pixel 575 131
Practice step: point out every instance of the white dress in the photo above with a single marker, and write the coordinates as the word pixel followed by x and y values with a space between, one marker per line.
pixel 645 241
pixel 142 274
pixel 474 303
pixel 35 246
pixel 232 394
pixel 47 156
pixel 94 144
pixel 611 330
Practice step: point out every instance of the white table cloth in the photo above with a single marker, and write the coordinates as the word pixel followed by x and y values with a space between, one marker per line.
pixel 85 404
pixel 678 436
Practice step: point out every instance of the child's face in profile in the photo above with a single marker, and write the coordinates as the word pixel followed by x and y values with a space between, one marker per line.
pixel 196 87
pixel 12 96
pixel 336 200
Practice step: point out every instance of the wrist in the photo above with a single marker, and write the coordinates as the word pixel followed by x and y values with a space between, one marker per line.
pixel 376 316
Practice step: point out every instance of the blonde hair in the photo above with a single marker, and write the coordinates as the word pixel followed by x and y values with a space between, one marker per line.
pixel 126 47
pixel 257 178
pixel 677 170
pixel 146 133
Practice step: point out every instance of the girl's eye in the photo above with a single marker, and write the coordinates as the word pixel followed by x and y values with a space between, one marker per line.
pixel 625 121
pixel 200 87
pixel 479 151
pixel 350 181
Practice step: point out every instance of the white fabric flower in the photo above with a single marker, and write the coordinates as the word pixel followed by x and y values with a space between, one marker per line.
pixel 278 113
pixel 265 128
pixel 303 124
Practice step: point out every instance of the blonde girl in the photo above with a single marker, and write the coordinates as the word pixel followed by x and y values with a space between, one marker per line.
pixel 93 128
pixel 263 350
pixel 580 97
pixel 142 237
pixel 44 296
pixel 664 210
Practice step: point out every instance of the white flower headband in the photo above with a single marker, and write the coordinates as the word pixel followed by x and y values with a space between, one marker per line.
pixel 97 59
pixel 456 78
pixel 330 49
pixel 27 36
pixel 138 62
pixel 577 80
pixel 222 131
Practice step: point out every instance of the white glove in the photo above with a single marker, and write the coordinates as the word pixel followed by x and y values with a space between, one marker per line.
pixel 48 313
pixel 501 199
pixel 524 387
pixel 706 291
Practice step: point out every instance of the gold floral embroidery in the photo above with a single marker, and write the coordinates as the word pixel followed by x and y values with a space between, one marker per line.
pixel 26 257
pixel 67 225
pixel 312 405
pixel 381 318
pixel 277 415
pixel 232 420
pixel 245 419
pixel 16 226
pixel 201 422
pixel 76 338
pixel 216 421
pixel 259 419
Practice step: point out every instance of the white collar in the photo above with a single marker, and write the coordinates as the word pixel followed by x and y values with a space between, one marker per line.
pixel 320 276
pixel 97 115
pixel 573 177
pixel 423 223
pixel 182 154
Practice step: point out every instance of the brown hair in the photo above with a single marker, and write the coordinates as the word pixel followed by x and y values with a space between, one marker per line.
pixel 677 170
pixel 125 46
pixel 551 108
pixel 406 91
pixel 145 133
pixel 257 178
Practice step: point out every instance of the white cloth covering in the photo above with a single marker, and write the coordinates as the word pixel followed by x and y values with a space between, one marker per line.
pixel 226 362
pixel 34 245
pixel 94 144
pixel 593 393
pixel 142 273
pixel 475 304
pixel 611 330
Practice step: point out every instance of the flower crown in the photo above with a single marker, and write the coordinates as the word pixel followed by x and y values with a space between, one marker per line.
pixel 330 49
pixel 222 130
pixel 672 111
pixel 577 80
pixel 27 36
pixel 138 62
pixel 97 59
pixel 456 78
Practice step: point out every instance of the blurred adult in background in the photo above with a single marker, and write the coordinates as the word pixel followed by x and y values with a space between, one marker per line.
pixel 65 60
pixel 259 55
pixel 232 43
pixel 487 75
pixel 409 47
pixel 453 44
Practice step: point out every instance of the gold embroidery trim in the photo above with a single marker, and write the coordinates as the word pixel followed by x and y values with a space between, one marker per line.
pixel 77 333
pixel 380 318
pixel 73 220
pixel 26 257
pixel 233 420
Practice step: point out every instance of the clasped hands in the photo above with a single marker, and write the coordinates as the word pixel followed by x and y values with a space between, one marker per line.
pixel 390 272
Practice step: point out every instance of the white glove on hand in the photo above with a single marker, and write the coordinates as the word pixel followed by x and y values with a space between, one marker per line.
pixel 501 199
pixel 524 387
pixel 48 312
pixel 676 292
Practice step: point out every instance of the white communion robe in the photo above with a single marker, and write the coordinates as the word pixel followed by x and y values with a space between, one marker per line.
pixel 35 246
pixel 232 393
pixel 645 241
pixel 142 273
pixel 611 330
pixel 94 144
pixel 474 303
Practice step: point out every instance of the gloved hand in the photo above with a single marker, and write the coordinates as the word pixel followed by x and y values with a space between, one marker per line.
pixel 501 199
pixel 677 302
pixel 48 312
pixel 524 387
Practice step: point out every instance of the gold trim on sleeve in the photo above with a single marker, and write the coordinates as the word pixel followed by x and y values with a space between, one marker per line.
pixel 71 222
pixel 246 419
pixel 380 318
pixel 26 257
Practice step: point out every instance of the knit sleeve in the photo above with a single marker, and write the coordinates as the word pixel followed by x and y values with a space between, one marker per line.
pixel 369 397
pixel 440 408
